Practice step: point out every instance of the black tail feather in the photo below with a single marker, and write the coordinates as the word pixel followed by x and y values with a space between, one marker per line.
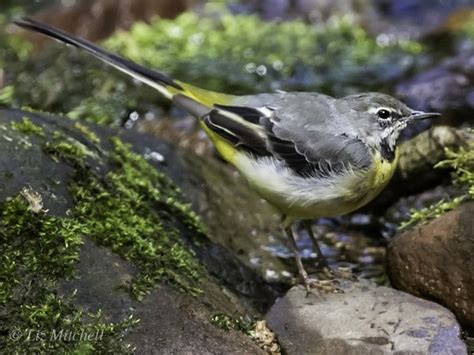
pixel 120 62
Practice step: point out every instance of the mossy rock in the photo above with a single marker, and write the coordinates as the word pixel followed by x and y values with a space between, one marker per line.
pixel 81 210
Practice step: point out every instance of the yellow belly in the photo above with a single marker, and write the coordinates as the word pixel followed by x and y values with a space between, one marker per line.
pixel 303 198
pixel 377 178
pixel 300 198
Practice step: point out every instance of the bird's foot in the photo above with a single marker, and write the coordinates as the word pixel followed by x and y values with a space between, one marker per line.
pixel 339 272
pixel 321 286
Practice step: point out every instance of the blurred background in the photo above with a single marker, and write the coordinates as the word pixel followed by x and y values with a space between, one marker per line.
pixel 417 50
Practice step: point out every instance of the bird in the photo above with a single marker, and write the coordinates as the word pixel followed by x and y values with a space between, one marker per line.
pixel 307 154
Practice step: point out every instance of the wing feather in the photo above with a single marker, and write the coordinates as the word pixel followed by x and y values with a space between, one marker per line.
pixel 307 153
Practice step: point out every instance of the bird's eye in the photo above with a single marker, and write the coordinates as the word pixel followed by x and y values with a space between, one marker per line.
pixel 383 114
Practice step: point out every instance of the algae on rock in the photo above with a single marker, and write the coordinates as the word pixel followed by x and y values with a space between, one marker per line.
pixel 115 197
pixel 461 161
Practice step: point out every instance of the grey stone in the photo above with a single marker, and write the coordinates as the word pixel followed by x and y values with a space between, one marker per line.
pixel 365 319
pixel 171 321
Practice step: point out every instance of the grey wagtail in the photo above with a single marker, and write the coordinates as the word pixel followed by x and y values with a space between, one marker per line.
pixel 307 154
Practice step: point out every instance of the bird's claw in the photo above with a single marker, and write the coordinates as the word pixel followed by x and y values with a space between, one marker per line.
pixel 340 272
pixel 321 286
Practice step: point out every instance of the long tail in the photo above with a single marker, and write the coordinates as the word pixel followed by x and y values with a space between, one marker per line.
pixel 195 100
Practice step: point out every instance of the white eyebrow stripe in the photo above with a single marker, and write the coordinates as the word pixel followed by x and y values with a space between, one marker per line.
pixel 375 109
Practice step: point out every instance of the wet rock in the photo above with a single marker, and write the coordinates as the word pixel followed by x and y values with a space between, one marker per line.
pixel 446 88
pixel 388 20
pixel 75 217
pixel 411 18
pixel 315 11
pixel 435 261
pixel 170 321
pixel 365 319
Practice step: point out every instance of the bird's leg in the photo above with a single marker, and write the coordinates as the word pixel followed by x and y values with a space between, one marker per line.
pixel 322 262
pixel 309 283
pixel 320 257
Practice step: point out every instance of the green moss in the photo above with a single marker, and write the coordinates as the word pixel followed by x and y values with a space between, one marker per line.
pixel 242 324
pixel 462 161
pixel 133 214
pixel 100 110
pixel 120 201
pixel 64 150
pixel 26 126
pixel 56 326
pixel 37 250
pixel 87 132
pixel 6 95
pixel 56 237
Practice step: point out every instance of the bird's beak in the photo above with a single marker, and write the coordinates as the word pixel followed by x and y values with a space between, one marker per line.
pixel 420 115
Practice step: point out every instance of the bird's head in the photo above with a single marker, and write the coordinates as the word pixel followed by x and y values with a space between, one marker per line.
pixel 381 118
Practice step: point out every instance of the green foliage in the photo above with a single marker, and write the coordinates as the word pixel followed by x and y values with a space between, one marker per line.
pixel 16 8
pixel 6 95
pixel 225 322
pixel 26 126
pixel 462 161
pixel 242 54
pixel 233 54
pixel 426 214
pixel 13 48
pixel 100 110
pixel 88 133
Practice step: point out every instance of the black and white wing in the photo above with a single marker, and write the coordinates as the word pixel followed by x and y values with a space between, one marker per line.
pixel 308 153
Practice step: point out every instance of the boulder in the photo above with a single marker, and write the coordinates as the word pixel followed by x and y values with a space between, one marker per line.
pixel 89 225
pixel 364 319
pixel 435 261
pixel 170 321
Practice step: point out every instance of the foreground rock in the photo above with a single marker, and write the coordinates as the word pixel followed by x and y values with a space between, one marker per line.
pixel 435 261
pixel 89 225
pixel 365 319
pixel 170 321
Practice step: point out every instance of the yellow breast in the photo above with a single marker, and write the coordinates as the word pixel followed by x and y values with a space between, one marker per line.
pixel 379 176
pixel 303 198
